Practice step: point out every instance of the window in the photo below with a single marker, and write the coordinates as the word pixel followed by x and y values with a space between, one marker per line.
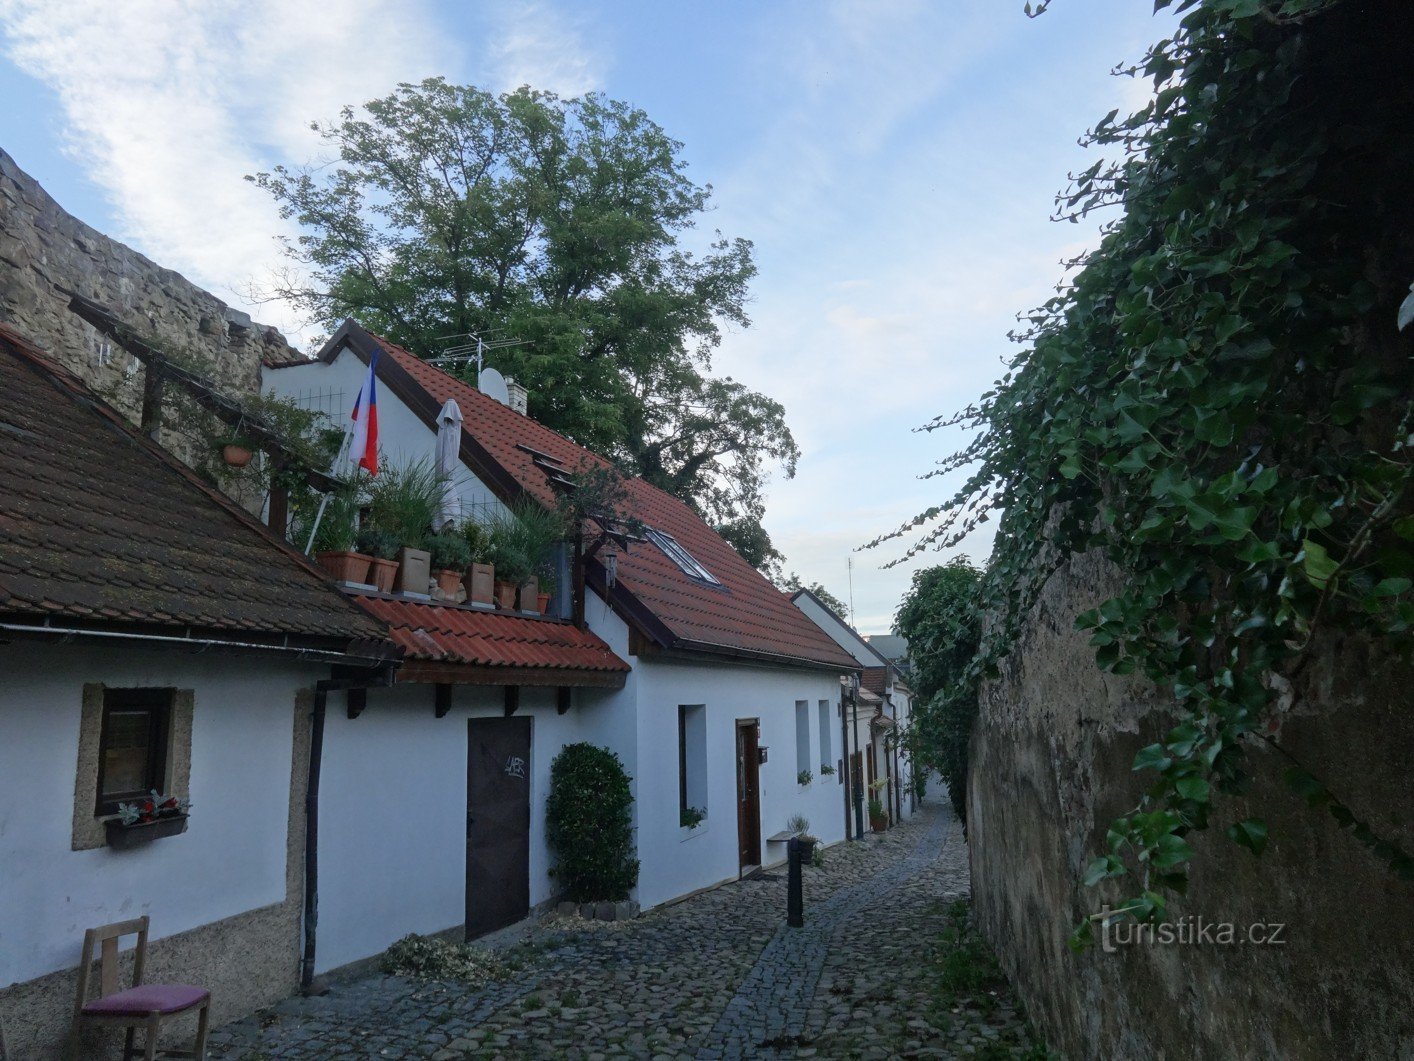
pixel 692 758
pixel 680 556
pixel 132 745
pixel 802 738
pixel 827 756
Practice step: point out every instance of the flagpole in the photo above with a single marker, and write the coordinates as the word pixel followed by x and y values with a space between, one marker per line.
pixel 339 459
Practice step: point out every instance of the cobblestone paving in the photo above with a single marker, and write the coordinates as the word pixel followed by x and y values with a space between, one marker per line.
pixel 717 976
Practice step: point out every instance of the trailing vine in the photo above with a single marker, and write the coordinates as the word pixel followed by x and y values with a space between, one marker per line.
pixel 1220 402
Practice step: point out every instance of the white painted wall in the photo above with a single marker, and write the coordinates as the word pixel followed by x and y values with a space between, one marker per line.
pixel 231 858
pixel 676 860
pixel 402 437
pixel 392 821
pixel 840 633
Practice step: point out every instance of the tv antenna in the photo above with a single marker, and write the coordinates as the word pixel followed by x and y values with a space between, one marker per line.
pixel 469 346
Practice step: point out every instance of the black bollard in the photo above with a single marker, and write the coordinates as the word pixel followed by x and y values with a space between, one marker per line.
pixel 795 903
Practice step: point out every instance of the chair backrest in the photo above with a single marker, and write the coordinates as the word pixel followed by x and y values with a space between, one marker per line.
pixel 106 937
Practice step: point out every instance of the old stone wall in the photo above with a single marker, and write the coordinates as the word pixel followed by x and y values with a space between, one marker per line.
pixel 43 249
pixel 1051 765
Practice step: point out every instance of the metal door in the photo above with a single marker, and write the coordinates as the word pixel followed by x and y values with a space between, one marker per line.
pixel 497 823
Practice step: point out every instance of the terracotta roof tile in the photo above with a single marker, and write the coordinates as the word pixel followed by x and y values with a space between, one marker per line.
pixel 439 634
pixel 875 679
pixel 744 614
pixel 98 522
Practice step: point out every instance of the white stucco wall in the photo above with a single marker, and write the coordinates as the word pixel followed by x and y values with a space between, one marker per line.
pixel 676 860
pixel 231 858
pixel 392 809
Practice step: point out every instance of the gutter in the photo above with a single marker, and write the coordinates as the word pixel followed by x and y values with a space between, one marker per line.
pixel 70 633
pixel 379 678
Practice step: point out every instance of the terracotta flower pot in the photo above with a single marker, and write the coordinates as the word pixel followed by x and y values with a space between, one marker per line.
pixel 236 456
pixel 345 566
pixel 480 583
pixel 543 600
pixel 382 573
pixel 505 595
pixel 449 581
pixel 879 824
pixel 414 571
pixel 527 593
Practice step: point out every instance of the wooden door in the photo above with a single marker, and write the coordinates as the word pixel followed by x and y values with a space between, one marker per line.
pixel 748 792
pixel 497 823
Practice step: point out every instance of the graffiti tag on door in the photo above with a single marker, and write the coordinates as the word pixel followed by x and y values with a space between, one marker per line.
pixel 515 767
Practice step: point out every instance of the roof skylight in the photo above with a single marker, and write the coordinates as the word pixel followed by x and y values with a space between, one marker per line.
pixel 680 556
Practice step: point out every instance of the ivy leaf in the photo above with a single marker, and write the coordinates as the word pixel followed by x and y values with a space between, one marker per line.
pixel 1102 868
pixel 1306 786
pixel 1151 758
pixel 1250 833
pixel 1194 788
pixel 1318 563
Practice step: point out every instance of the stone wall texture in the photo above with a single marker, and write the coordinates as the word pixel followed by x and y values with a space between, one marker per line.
pixel 1051 765
pixel 43 249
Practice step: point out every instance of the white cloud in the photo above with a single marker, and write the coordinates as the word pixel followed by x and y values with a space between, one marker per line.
pixel 541 46
pixel 169 105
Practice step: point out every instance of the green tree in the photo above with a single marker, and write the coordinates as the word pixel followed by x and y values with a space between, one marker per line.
pixel 941 617
pixel 560 222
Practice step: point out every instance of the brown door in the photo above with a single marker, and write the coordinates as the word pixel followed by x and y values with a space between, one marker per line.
pixel 497 823
pixel 748 792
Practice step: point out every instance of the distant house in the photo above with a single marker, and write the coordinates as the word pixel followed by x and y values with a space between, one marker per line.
pixel 718 695
pixel 878 713
pixel 152 636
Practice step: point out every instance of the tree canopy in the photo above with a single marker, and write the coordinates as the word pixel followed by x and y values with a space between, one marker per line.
pixel 941 616
pixel 450 211
pixel 792 582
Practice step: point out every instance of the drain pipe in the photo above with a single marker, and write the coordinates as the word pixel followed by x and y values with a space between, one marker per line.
pixel 322 689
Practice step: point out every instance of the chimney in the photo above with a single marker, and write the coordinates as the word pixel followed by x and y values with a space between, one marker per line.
pixel 519 396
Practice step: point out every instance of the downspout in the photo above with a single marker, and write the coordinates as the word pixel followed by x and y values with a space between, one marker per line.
pixel 858 780
pixel 322 688
pixel 844 764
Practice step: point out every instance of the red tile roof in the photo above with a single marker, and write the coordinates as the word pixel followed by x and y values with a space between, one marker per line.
pixel 745 616
pixel 101 526
pixel 874 679
pixel 435 633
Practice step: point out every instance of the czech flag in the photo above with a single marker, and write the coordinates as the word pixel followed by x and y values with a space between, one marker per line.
pixel 363 450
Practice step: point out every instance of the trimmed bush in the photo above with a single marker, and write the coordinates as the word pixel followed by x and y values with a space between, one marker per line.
pixel 589 824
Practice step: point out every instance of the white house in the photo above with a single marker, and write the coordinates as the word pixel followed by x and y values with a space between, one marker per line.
pixel 717 694
pixel 879 712
pixel 152 636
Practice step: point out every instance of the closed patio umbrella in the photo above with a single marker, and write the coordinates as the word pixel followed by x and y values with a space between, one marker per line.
pixel 449 440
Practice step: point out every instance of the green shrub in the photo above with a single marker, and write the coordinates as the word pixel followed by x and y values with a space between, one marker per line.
pixel 589 824
pixel 403 500
pixel 380 543
pixel 435 959
pixel 449 550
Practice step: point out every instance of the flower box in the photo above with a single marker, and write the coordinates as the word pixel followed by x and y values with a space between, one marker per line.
pixel 480 583
pixel 345 566
pixel 381 574
pixel 124 837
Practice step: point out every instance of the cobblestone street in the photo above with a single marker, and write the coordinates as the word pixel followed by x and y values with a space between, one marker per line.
pixel 871 975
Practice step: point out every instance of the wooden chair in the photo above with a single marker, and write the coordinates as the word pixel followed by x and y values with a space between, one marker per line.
pixel 146 1006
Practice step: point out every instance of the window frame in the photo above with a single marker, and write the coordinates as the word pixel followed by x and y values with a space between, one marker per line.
pixel 159 703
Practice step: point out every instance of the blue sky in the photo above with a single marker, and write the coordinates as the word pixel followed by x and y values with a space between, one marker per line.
pixel 893 162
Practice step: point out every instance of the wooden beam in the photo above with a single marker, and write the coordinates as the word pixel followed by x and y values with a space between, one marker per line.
pixel 429 672
pixel 564 699
pixel 512 699
pixel 358 700
pixel 152 401
pixel 442 698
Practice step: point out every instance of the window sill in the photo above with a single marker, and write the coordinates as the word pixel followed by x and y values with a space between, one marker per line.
pixel 685 834
pixel 122 837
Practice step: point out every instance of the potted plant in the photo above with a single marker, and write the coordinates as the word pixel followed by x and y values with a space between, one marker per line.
pixel 480 579
pixel 382 548
pixel 521 540
pixel 147 819
pixel 691 817
pixel 804 777
pixel 799 824
pixel 878 820
pixel 335 542
pixel 235 450
pixel 547 592
pixel 404 500
pixel 450 557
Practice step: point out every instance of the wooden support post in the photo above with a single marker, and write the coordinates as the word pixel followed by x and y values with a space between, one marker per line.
pixel 442 698
pixel 512 699
pixel 563 699
pixel 152 401
pixel 358 700
pixel 279 518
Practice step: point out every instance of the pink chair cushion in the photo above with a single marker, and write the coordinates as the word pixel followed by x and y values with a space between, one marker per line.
pixel 147 999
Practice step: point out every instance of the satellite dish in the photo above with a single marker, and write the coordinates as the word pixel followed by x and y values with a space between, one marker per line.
pixel 492 384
